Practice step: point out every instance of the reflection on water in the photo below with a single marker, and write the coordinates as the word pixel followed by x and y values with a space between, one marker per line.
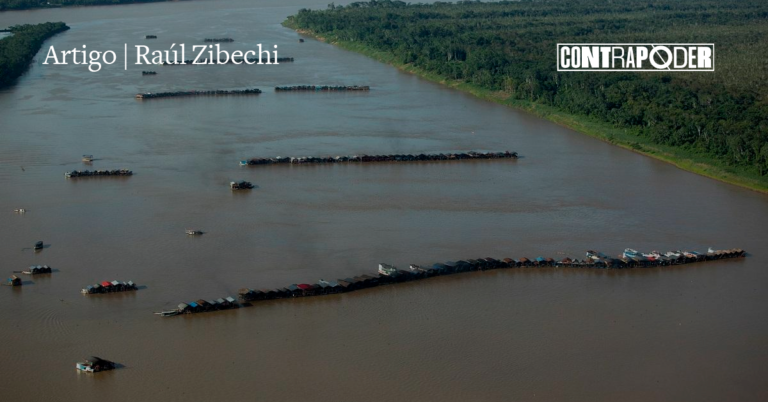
pixel 693 332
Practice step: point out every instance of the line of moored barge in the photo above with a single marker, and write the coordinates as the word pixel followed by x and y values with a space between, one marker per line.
pixel 388 274
pixel 380 158
pixel 215 92
pixel 98 173
pixel 109 287
pixel 322 88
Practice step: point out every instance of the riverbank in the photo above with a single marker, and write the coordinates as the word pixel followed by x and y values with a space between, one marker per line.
pixel 18 50
pixel 624 138
pixel 35 5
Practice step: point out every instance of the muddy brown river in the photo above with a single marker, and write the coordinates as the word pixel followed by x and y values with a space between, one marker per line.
pixel 697 332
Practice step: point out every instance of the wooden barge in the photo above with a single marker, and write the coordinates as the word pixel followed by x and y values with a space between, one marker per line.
pixel 380 158
pixel 389 274
pixel 98 173
pixel 215 92
pixel 322 88
pixel 109 287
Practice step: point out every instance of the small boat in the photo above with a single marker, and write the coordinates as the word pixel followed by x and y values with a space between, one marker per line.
pixel 87 158
pixel 20 210
pixel 673 254
pixel 168 313
pixel 386 269
pixel 691 254
pixel 630 253
pixel 94 365
pixel 39 245
pixel 653 254
pixel 243 163
pixel 595 255
pixel 192 232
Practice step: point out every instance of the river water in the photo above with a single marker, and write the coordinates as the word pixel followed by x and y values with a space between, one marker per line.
pixel 670 334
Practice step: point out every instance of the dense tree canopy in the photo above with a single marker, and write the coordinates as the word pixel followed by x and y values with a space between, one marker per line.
pixel 510 47
pixel 17 50
pixel 25 4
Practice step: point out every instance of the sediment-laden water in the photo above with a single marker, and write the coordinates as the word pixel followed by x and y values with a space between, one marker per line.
pixel 694 332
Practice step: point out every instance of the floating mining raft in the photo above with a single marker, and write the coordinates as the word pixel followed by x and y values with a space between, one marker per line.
pixel 240 185
pixel 322 88
pixel 379 158
pixel 13 281
pixel 216 92
pixel 389 274
pixel 37 269
pixel 202 306
pixel 95 173
pixel 109 287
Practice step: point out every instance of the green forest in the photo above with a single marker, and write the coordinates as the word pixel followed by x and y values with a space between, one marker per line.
pixel 18 49
pixel 26 4
pixel 508 50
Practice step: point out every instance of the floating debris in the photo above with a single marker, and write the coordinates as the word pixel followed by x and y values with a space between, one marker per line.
pixel 216 92
pixel 240 185
pixel 322 88
pixel 301 40
pixel 218 40
pixel 99 173
pixel 380 158
pixel 95 364
pixel 109 287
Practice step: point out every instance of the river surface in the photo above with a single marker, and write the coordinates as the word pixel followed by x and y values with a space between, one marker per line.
pixel 697 332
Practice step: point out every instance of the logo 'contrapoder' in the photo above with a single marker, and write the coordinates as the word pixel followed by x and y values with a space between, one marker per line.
pixel 635 57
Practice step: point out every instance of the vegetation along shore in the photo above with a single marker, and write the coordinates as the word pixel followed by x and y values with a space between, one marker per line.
pixel 714 124
pixel 29 4
pixel 18 49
